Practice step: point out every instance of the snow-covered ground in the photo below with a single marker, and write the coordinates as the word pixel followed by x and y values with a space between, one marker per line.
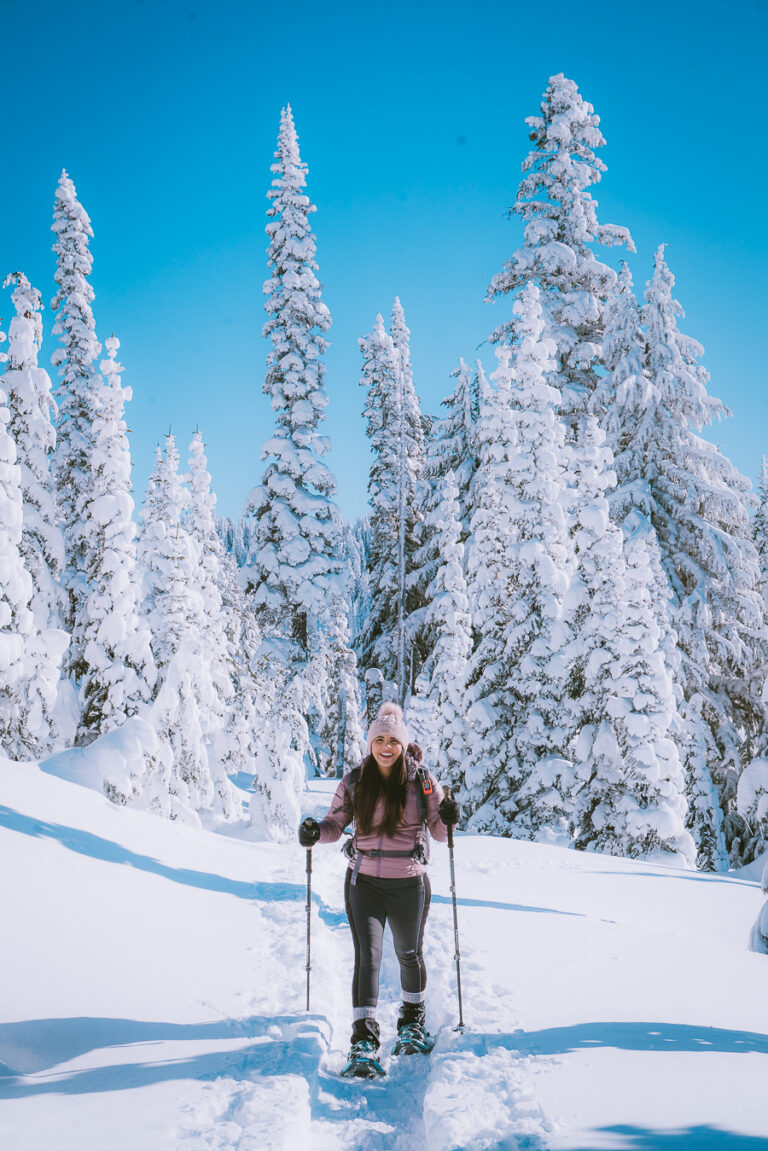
pixel 153 994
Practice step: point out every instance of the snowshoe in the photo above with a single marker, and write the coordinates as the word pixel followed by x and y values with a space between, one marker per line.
pixel 412 1039
pixel 362 1062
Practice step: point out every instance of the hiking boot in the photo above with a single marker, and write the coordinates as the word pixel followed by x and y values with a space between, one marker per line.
pixel 412 1034
pixel 365 1031
pixel 362 1062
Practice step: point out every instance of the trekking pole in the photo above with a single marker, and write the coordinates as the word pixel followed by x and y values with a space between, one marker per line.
pixel 457 955
pixel 309 920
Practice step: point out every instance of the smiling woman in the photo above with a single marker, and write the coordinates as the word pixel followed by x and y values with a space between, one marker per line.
pixel 396 803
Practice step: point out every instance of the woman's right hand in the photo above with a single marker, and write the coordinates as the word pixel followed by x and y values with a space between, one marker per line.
pixel 309 832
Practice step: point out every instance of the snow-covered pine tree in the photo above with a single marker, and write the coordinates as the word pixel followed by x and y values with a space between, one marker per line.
pixel 229 639
pixel 173 603
pixel 332 693
pixel 355 565
pixel 296 566
pixel 437 709
pixel 72 467
pixel 752 798
pixel 452 445
pixel 187 712
pixel 29 660
pixel 630 402
pixel 760 530
pixel 118 669
pixel 395 429
pixel 414 427
pixel 199 519
pixel 30 403
pixel 377 643
pixel 517 780
pixel 237 744
pixel 287 695
pixel 296 577
pixel 492 703
pixel 237 538
pixel 697 503
pixel 561 228
pixel 413 430
pixel 630 786
pixel 625 397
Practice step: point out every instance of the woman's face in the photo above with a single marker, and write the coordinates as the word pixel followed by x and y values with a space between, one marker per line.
pixel 385 750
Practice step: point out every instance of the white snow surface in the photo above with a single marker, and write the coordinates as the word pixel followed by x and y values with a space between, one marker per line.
pixel 154 995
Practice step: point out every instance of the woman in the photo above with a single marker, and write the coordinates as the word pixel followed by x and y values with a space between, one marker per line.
pixel 395 804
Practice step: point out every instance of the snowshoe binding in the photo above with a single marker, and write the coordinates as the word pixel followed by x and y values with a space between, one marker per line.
pixel 413 1039
pixel 362 1062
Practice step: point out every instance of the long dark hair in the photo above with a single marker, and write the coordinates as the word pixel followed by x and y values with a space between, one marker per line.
pixel 372 786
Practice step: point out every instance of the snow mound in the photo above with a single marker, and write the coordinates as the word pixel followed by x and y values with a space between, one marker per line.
pixel 111 764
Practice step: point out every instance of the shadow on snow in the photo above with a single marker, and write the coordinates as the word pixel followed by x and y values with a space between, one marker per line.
pixel 106 850
pixel 683 1139
pixel 277 1045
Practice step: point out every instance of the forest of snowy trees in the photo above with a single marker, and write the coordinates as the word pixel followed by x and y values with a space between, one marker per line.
pixel 564 584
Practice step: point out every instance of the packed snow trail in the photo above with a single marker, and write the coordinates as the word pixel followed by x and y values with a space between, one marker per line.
pixel 154 987
pixel 422 1102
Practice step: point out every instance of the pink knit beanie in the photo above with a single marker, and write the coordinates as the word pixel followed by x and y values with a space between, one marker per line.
pixel 389 721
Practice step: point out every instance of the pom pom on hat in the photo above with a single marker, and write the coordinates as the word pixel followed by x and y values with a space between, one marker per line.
pixel 390 722
pixel 390 708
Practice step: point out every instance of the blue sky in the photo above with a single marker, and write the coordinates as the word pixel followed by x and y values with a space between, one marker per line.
pixel 411 119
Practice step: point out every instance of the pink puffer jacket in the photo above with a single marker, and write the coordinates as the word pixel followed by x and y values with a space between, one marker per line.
pixel 408 833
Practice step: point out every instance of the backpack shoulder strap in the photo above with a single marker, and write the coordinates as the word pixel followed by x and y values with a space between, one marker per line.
pixel 353 778
pixel 423 784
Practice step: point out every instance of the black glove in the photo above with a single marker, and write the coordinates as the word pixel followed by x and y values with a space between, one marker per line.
pixel 309 832
pixel 449 811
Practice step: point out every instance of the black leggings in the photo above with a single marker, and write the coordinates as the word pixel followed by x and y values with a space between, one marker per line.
pixel 370 903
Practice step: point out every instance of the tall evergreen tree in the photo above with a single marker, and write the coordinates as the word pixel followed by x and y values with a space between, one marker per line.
pixel 625 396
pixel 437 709
pixel 118 668
pixel 560 230
pixel 697 502
pixel 231 636
pixel 29 659
pixel 31 407
pixel 30 403
pixel 187 712
pixel 377 644
pixel 72 461
pixel 519 563
pixel 631 401
pixel 279 765
pixel 296 566
pixel 395 429
pixel 200 520
pixel 452 446
pixel 630 794
pixel 760 530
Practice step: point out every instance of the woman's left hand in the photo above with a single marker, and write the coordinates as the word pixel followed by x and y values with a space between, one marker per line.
pixel 449 810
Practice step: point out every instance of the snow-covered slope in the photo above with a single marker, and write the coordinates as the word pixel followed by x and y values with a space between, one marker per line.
pixel 153 995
